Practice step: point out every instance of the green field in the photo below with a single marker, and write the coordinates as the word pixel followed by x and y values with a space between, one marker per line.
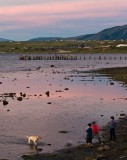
pixel 63 47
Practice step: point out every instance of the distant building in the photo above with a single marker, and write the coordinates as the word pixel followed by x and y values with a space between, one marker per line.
pixel 106 46
pixel 121 45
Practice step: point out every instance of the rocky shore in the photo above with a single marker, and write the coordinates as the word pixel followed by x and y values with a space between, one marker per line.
pixel 117 74
pixel 107 150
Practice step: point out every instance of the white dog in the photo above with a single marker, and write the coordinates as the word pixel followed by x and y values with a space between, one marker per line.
pixel 33 139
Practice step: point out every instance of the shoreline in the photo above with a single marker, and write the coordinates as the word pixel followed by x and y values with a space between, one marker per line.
pixel 71 152
pixel 109 150
pixel 112 151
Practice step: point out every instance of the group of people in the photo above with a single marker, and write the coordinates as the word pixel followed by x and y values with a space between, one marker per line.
pixel 93 131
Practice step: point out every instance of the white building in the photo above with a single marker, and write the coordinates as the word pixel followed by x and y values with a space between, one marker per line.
pixel 121 45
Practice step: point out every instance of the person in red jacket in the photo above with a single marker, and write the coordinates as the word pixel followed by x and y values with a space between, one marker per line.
pixel 96 129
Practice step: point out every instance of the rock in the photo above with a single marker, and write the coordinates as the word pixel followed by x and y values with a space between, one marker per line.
pixel 19 98
pixel 122 116
pixel 27 87
pixel 68 144
pixel 89 158
pixel 49 103
pixel 90 145
pixel 0 82
pixel 8 110
pixel 67 151
pixel 101 157
pixel 63 131
pixel 49 144
pixel 123 157
pixel 47 93
pixel 52 66
pixel 66 89
pixel 24 95
pixel 102 145
pixel 105 139
pixel 12 94
pixel 38 68
pixel 111 83
pixel 5 102
pixel 39 149
pixel 101 149
pixel 106 147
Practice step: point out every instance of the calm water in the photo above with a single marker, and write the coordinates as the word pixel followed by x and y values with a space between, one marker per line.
pixel 89 97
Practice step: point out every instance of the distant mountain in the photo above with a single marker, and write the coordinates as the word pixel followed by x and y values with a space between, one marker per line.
pixel 4 40
pixel 82 37
pixel 46 39
pixel 114 33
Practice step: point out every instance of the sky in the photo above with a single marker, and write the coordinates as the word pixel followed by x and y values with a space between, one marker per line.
pixel 26 19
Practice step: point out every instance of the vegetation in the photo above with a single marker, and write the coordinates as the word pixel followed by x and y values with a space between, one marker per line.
pixel 117 74
pixel 89 46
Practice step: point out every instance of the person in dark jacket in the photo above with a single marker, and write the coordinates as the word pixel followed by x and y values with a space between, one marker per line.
pixel 112 126
pixel 89 134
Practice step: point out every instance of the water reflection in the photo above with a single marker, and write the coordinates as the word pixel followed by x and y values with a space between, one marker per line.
pixel 76 98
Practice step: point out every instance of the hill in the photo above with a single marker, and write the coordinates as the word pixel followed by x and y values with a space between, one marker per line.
pixel 45 39
pixel 114 33
pixel 4 40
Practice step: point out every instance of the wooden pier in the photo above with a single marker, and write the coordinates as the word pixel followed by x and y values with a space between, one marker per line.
pixel 49 57
pixel 70 57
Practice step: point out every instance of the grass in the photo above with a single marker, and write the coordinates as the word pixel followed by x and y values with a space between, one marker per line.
pixel 55 46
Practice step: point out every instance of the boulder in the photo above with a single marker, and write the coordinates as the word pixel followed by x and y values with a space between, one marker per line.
pixel 122 116
pixel 101 157
pixel 19 98
pixel 47 93
pixel 106 147
pixel 5 102
pixel 101 149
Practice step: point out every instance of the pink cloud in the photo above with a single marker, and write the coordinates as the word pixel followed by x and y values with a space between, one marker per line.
pixel 65 8
pixel 50 13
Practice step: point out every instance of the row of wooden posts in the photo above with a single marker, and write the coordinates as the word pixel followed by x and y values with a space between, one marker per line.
pixel 71 57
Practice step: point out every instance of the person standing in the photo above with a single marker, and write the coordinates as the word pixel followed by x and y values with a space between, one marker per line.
pixel 112 126
pixel 96 130
pixel 89 135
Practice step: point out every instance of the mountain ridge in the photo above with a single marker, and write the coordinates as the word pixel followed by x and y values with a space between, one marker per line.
pixel 4 40
pixel 113 33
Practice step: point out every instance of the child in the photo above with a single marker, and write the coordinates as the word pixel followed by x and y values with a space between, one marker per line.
pixel 89 134
pixel 112 126
pixel 96 130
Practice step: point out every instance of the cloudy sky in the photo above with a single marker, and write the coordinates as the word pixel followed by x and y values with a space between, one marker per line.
pixel 25 19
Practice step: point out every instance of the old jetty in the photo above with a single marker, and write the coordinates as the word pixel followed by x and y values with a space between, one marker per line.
pixel 70 57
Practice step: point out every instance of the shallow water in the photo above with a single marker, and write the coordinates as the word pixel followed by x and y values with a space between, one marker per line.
pixel 89 97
